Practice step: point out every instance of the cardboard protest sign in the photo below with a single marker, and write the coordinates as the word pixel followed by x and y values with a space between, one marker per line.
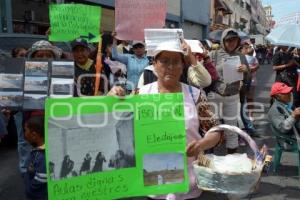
pixel 154 37
pixel 230 72
pixel 11 82
pixel 110 148
pixel 71 21
pixel 133 16
pixel 196 46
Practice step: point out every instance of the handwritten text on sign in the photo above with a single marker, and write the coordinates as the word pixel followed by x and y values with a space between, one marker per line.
pixel 133 16
pixel 71 21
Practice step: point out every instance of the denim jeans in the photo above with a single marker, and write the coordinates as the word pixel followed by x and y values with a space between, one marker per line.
pixel 23 146
pixel 245 118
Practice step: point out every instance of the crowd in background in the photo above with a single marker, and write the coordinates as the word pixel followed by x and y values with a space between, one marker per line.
pixel 127 68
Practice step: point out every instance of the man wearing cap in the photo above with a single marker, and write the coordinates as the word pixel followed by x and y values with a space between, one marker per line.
pixel 226 96
pixel 281 114
pixel 85 69
pixel 135 63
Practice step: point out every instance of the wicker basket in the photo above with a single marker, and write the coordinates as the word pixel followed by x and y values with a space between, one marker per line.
pixel 230 183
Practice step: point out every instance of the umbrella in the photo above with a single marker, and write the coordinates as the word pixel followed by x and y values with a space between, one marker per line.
pixel 217 35
pixel 285 35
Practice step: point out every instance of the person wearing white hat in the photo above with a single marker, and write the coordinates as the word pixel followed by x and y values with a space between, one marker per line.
pixel 168 66
pixel 193 73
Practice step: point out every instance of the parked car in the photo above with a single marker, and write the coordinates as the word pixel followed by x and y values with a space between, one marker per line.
pixel 10 41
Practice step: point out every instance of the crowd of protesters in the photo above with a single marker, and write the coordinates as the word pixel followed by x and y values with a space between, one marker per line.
pixel 199 76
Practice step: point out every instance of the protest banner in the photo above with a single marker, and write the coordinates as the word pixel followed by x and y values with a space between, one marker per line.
pixel 154 37
pixel 25 84
pixel 71 21
pixel 196 46
pixel 110 148
pixel 133 16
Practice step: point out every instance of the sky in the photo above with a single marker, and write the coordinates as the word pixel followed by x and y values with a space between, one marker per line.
pixel 282 8
pixel 157 162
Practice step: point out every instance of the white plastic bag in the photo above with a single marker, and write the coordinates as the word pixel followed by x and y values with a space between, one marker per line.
pixel 231 163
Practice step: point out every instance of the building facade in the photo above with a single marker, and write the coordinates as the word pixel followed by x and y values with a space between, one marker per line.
pixel 195 18
pixel 245 15
pixel 269 17
pixel 29 16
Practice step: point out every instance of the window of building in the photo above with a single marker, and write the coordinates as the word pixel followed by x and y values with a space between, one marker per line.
pixel 29 16
pixel 3 17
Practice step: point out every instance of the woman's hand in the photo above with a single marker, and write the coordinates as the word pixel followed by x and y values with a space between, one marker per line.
pixel 188 53
pixel 116 91
pixel 193 148
pixel 242 68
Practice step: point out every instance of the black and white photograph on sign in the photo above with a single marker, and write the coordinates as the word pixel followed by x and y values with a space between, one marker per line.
pixel 11 81
pixel 34 83
pixel 34 101
pixel 35 68
pixel 164 168
pixel 61 87
pixel 63 69
pixel 81 145
pixel 11 99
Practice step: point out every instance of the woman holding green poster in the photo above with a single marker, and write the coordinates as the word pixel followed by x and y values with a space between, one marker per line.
pixel 168 65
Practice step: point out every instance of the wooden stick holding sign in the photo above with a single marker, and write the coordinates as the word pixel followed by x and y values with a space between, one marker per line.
pixel 98 68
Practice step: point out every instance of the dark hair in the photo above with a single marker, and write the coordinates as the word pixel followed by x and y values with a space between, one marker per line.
pixel 33 55
pixel 36 124
pixel 158 55
pixel 15 51
pixel 138 45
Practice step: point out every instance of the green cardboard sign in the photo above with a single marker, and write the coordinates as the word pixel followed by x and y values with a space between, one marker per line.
pixel 109 148
pixel 71 21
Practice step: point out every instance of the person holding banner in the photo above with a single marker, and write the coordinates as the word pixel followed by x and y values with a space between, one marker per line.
pixel 135 63
pixel 168 65
pixel 85 69
pixel 193 72
pixel 226 94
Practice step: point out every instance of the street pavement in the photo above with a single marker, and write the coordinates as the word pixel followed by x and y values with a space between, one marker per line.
pixel 283 185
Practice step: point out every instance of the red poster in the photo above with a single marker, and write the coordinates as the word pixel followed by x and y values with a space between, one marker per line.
pixel 133 16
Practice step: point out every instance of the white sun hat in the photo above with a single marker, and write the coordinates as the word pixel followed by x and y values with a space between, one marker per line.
pixel 171 46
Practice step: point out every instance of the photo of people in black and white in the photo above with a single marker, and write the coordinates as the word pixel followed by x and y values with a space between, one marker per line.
pixel 63 69
pixel 35 68
pixel 90 144
pixel 61 87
